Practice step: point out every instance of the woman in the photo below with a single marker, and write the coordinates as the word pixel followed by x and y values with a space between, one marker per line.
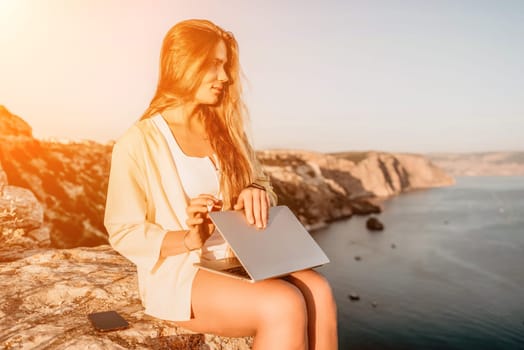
pixel 189 154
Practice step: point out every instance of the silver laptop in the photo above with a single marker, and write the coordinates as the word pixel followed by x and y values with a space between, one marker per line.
pixel 284 246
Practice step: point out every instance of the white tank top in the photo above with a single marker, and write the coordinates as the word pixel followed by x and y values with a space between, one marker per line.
pixel 198 175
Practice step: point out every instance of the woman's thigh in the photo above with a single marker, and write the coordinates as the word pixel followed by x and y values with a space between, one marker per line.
pixel 230 307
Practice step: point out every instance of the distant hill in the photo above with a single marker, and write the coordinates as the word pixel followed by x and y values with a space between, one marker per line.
pixel 480 164
pixel 11 124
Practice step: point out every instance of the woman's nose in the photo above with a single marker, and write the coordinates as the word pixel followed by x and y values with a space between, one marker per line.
pixel 222 75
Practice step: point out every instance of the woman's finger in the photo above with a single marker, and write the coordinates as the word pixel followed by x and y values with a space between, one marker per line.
pixel 207 195
pixel 257 210
pixel 204 200
pixel 264 208
pixel 194 221
pixel 193 210
pixel 207 200
pixel 248 205
pixel 240 202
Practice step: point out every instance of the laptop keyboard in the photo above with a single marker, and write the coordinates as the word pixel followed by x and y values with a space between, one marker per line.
pixel 237 270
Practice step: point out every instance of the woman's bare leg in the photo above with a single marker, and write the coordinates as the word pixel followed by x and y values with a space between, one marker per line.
pixel 274 311
pixel 321 306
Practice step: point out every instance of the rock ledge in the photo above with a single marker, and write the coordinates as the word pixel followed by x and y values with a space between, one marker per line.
pixel 55 289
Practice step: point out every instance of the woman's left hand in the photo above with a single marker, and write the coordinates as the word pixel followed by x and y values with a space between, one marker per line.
pixel 255 203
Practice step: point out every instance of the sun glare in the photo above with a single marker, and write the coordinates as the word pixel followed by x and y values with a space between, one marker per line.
pixel 5 5
pixel 8 9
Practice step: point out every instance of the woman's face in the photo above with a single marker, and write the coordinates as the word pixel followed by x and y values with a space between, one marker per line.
pixel 214 82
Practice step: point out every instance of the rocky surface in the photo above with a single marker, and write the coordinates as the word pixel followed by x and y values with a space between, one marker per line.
pixel 69 180
pixel 480 164
pixel 46 298
pixel 21 219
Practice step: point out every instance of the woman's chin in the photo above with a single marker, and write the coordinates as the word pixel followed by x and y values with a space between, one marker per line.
pixel 214 100
pixel 211 100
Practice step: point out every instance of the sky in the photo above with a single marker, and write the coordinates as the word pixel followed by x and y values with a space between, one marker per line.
pixel 328 76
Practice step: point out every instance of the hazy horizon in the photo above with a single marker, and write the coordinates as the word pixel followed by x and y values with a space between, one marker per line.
pixel 395 76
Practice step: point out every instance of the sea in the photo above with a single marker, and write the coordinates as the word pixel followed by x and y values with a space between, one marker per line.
pixel 447 271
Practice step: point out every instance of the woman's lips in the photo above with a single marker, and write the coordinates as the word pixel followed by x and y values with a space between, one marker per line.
pixel 217 90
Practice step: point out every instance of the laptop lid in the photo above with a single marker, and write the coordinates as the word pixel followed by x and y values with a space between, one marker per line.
pixel 284 246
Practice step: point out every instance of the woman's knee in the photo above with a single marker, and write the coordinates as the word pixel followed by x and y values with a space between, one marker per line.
pixel 324 291
pixel 316 287
pixel 283 303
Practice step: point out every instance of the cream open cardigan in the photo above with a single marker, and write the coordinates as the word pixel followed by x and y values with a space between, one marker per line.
pixel 145 200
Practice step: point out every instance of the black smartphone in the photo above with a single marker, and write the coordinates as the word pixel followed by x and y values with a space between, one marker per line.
pixel 107 321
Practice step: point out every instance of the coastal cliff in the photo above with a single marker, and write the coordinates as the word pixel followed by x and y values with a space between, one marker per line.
pixel 52 195
pixel 321 188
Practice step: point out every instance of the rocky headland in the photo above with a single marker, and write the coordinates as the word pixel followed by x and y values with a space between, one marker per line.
pixel 480 163
pixel 52 197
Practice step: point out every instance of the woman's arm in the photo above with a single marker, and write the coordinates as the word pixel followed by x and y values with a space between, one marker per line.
pixel 126 206
pixel 200 227
pixel 175 242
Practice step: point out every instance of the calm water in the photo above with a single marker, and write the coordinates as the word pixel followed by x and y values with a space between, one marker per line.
pixel 454 280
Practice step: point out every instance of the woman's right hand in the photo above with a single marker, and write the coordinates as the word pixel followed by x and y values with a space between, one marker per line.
pixel 200 225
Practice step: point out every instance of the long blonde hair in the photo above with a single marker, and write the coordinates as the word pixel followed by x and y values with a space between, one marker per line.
pixel 186 53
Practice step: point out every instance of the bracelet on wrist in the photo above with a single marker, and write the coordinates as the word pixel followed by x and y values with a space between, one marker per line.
pixel 255 185
pixel 184 240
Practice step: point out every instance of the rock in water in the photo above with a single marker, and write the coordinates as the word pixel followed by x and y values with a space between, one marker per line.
pixel 354 296
pixel 374 224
